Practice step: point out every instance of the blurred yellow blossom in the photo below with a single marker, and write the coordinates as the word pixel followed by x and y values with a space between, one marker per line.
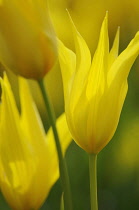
pixel 94 93
pixel 28 160
pixel 123 13
pixel 27 39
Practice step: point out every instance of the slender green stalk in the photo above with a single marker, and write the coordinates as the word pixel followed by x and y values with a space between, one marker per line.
pixel 62 203
pixel 62 164
pixel 93 181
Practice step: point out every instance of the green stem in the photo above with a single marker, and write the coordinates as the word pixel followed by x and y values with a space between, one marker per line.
pixel 93 181
pixel 62 164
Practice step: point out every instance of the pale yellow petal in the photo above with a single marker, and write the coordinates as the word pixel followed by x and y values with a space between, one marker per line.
pixel 30 118
pixel 83 64
pixel 77 122
pixel 120 69
pixel 31 123
pixel 97 78
pixel 15 161
pixel 67 60
pixel 82 51
pixel 115 48
pixel 107 117
pixel 45 155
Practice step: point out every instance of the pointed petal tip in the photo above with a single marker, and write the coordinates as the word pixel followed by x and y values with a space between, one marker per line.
pixel 1 83
pixel 4 80
pixel 105 21
pixel 107 12
pixel 73 27
pixel 1 80
pixel 69 16
pixel 5 77
pixel 118 30
pixel 71 22
pixel 117 34
pixel 106 16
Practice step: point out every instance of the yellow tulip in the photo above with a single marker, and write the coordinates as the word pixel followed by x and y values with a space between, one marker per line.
pixel 95 91
pixel 27 39
pixel 28 161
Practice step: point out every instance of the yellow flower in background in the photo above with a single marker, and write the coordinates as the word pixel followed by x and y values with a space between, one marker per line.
pixel 95 92
pixel 28 161
pixel 27 39
pixel 123 13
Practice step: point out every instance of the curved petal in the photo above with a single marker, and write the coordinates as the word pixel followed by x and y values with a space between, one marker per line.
pixel 16 160
pixel 40 184
pixel 97 78
pixel 67 60
pixel 30 119
pixel 83 64
pixel 115 48
pixel 120 69
pixel 28 162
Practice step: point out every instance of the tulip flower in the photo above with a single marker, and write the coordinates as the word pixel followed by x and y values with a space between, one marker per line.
pixel 27 39
pixel 28 161
pixel 95 91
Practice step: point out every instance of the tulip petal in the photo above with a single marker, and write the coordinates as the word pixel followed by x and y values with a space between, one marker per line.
pixel 115 48
pixel 32 125
pixel 29 164
pixel 120 69
pixel 16 159
pixel 83 63
pixel 97 77
pixel 30 119
pixel 82 51
pixel 67 61
pixel 45 153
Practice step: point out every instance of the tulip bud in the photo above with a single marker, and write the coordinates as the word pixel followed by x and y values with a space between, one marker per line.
pixel 27 39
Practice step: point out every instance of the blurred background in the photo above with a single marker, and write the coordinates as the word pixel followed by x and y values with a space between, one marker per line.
pixel 118 162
